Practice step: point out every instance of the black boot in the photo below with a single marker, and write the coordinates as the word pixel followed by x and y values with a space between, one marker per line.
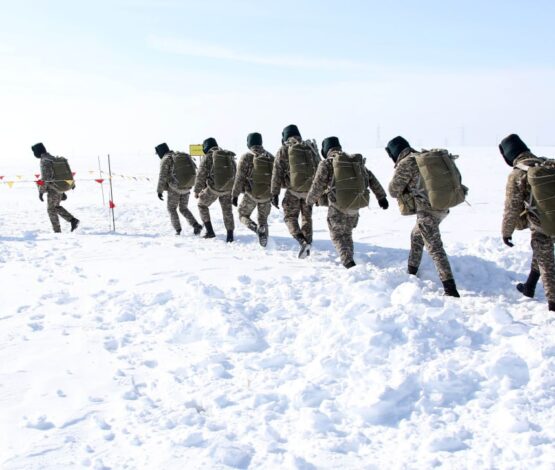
pixel 229 238
pixel 528 288
pixel 551 306
pixel 178 232
pixel 412 270
pixel 305 246
pixel 197 228
pixel 349 264
pixel 74 223
pixel 209 231
pixel 252 226
pixel 450 288
pixel 263 235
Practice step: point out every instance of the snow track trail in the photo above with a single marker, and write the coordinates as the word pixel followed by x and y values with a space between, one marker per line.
pixel 141 349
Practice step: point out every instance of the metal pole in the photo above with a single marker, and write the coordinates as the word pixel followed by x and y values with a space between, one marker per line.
pixel 111 195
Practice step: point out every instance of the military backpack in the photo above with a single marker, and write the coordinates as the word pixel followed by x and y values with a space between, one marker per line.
pixel 540 174
pixel 223 170
pixel 261 177
pixel 62 175
pixel 302 166
pixel 350 182
pixel 183 173
pixel 440 179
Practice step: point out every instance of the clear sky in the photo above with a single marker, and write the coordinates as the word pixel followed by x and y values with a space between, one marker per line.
pixel 121 76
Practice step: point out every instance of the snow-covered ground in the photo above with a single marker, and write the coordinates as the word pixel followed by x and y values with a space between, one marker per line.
pixel 141 349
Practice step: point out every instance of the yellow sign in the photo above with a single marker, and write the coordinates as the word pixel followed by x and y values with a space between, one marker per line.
pixel 195 150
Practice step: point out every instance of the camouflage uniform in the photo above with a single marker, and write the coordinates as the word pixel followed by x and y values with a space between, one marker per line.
pixel 340 223
pixel 516 217
pixel 207 195
pixel 176 198
pixel 426 231
pixel 294 203
pixel 53 197
pixel 242 185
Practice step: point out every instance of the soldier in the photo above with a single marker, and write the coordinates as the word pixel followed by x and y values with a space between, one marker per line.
pixel 169 181
pixel 56 179
pixel 254 178
pixel 520 214
pixel 294 168
pixel 426 231
pixel 345 180
pixel 215 179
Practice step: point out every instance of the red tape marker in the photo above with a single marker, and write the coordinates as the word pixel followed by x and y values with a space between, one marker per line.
pixel 112 205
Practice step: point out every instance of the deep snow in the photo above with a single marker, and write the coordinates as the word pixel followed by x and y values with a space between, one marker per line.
pixel 141 349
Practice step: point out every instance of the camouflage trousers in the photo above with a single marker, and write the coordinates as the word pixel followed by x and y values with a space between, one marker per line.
pixel 341 228
pixel 426 234
pixel 53 200
pixel 543 261
pixel 207 198
pixel 247 207
pixel 176 200
pixel 294 206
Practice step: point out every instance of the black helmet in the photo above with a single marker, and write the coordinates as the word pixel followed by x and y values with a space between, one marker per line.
pixel 38 149
pixel 396 146
pixel 209 144
pixel 162 149
pixel 511 147
pixel 254 139
pixel 329 143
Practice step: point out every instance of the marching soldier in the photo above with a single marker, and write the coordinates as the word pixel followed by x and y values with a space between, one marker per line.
pixel 404 186
pixel 344 179
pixel 177 175
pixel 56 180
pixel 254 178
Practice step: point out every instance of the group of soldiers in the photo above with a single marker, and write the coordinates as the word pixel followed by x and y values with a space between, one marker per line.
pixel 339 181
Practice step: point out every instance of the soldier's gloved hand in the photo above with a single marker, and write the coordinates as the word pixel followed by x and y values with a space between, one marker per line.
pixel 41 195
pixel 384 203
pixel 196 195
pixel 160 196
pixel 235 201
pixel 275 201
pixel 64 196
pixel 508 241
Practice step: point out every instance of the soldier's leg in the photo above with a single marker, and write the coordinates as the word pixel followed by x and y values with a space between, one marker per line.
pixel 429 229
pixel 53 200
pixel 341 233
pixel 264 209
pixel 227 212
pixel 245 210
pixel 542 247
pixel 291 209
pixel 205 199
pixel 306 212
pixel 64 213
pixel 184 209
pixel 172 203
pixel 416 249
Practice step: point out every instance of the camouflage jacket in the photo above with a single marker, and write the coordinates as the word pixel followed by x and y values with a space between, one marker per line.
pixel 517 195
pixel 323 181
pixel 205 178
pixel 166 165
pixel 46 172
pixel 406 179
pixel 280 175
pixel 244 170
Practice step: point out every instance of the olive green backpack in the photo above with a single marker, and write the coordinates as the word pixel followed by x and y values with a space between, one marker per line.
pixel 350 182
pixel 261 177
pixel 184 171
pixel 440 179
pixel 302 166
pixel 63 177
pixel 223 170
pixel 541 178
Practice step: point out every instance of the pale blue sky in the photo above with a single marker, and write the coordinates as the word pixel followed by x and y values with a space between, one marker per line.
pixel 123 75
